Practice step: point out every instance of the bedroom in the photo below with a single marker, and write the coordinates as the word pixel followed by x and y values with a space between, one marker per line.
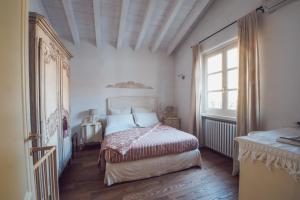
pixel 122 65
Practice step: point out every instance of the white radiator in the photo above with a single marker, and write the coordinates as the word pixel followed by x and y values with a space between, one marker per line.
pixel 219 135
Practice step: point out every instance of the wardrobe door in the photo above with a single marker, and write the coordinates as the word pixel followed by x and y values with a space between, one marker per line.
pixel 65 99
pixel 49 94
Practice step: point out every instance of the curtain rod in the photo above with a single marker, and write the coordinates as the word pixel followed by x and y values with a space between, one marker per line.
pixel 257 9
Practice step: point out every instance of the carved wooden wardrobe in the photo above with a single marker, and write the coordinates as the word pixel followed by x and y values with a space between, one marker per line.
pixel 49 89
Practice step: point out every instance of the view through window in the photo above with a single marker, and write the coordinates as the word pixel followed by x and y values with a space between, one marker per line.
pixel 221 80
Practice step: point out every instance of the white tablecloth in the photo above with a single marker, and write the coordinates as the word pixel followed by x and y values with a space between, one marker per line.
pixel 263 146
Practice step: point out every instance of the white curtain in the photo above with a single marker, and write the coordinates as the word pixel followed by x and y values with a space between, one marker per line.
pixel 248 92
pixel 195 100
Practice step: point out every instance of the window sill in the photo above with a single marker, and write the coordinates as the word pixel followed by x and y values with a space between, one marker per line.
pixel 220 117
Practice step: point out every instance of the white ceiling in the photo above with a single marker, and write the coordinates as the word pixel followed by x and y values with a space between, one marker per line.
pixel 159 25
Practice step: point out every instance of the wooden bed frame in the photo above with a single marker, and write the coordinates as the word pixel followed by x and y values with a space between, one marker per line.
pixel 149 102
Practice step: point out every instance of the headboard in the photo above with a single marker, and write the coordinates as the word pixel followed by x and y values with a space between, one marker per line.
pixel 149 102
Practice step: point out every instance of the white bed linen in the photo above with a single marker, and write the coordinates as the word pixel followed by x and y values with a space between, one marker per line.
pixel 146 168
pixel 145 119
pixel 119 122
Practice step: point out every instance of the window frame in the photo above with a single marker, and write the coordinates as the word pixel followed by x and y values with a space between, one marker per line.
pixel 224 111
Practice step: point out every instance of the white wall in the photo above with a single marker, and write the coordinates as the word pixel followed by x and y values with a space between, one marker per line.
pixel 37 6
pixel 280 70
pixel 92 69
pixel 280 63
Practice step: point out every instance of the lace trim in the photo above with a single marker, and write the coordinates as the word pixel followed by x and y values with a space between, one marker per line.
pixel 272 157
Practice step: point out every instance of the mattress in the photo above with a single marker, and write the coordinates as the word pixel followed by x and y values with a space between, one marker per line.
pixel 146 143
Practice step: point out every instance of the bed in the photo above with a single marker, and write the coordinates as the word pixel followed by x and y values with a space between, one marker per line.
pixel 135 147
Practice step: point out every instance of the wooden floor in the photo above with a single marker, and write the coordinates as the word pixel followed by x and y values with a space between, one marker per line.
pixel 83 180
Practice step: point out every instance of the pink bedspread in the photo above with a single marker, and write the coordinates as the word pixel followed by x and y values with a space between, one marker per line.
pixel 140 143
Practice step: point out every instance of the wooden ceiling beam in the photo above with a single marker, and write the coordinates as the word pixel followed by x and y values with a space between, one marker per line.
pixel 146 23
pixel 98 23
pixel 167 25
pixel 195 13
pixel 67 5
pixel 122 24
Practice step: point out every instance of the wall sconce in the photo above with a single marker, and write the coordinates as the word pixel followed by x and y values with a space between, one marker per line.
pixel 181 75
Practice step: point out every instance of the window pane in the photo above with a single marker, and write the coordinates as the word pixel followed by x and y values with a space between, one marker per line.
pixel 232 58
pixel 214 82
pixel 214 100
pixel 214 63
pixel 232 100
pixel 232 79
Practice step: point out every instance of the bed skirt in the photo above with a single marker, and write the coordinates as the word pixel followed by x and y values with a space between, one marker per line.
pixel 146 168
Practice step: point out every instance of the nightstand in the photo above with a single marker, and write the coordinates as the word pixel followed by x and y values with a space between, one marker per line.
pixel 172 121
pixel 90 133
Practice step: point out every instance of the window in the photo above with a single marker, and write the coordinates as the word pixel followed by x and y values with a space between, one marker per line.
pixel 221 80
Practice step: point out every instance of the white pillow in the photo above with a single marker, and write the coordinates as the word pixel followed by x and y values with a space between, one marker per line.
pixel 145 119
pixel 141 110
pixel 119 122
pixel 118 111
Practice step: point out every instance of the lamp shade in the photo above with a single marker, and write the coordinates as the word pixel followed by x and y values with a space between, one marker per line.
pixel 92 111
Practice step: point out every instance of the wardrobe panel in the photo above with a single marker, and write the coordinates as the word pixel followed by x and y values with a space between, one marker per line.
pixel 49 89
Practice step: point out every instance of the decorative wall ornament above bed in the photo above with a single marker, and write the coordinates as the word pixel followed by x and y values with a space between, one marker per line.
pixel 130 85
